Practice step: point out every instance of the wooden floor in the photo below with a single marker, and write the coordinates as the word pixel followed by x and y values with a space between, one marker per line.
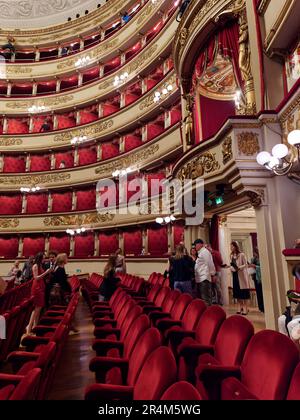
pixel 73 373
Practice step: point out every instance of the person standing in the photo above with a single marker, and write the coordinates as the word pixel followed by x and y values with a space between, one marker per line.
pixel 110 281
pixel 59 278
pixel 240 278
pixel 51 263
pixel 27 269
pixel 218 262
pixel 37 290
pixel 120 262
pixel 204 272
pixel 255 263
pixel 183 267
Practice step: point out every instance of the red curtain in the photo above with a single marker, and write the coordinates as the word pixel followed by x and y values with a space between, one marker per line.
pixel 132 241
pixel 11 204
pixel 32 245
pixel 108 243
pixel 214 232
pixel 84 245
pixel 60 243
pixel 225 42
pixel 9 246
pixel 61 202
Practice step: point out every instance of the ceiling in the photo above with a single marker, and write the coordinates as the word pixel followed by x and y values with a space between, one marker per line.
pixel 29 14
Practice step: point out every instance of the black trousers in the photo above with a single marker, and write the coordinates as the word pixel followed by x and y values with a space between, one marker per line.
pixel 259 295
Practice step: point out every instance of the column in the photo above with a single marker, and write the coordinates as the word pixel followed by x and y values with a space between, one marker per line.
pixel 144 133
pixel 20 247
pixel 99 151
pixel 72 243
pixel 58 82
pixel 49 209
pixel 77 113
pixel 1 163
pixel 81 47
pixel 5 124
pixel 76 156
pixel 80 79
pixel 224 247
pixel 59 51
pixel 74 200
pixel 121 241
pixel 9 86
pixel 47 244
pixel 121 144
pixel 96 244
pixel 122 99
pixel 55 122
pixel 30 124
pixel 101 71
pixel 24 203
pixel 100 110
pixel 37 55
pixel 145 240
pixel 144 85
pixel 123 58
pixel 102 34
pixel 167 119
pixel 53 161
pixel 34 88
pixel 27 163
pixel 170 237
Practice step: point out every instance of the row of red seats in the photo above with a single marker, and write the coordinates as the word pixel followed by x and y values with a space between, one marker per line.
pixel 12 297
pixel 34 367
pixel 200 346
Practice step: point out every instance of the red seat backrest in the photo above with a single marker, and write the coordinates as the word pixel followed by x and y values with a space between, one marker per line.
pixel 209 325
pixel 181 391
pixel 27 388
pixel 193 313
pixel 294 389
pixel 181 304
pixel 170 301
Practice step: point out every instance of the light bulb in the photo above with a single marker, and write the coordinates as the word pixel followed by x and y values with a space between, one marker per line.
pixel 122 77
pixel 125 74
pixel 280 151
pixel 273 162
pixel 263 158
pixel 159 220
pixel 294 138
pixel 38 188
pixel 164 91
pixel 156 99
pixel 157 94
pixel 33 189
pixel 78 230
pixel 83 229
pixel 167 219
pixel 172 218
pixel 170 87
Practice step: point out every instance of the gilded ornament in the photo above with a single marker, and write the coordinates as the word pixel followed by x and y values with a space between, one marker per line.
pixel 10 142
pixel 34 179
pixel 203 164
pixel 248 143
pixel 256 197
pixel 91 131
pixel 78 219
pixel 227 150
pixel 126 162
pixel 48 102
pixel 9 223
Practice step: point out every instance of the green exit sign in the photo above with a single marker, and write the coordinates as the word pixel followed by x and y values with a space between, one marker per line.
pixel 219 201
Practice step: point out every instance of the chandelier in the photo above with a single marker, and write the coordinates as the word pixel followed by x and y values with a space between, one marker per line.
pixel 83 61
pixel 80 139
pixel 160 95
pixel 34 109
pixel 280 161
pixel 121 79
pixel 77 231
pixel 165 220
pixel 30 189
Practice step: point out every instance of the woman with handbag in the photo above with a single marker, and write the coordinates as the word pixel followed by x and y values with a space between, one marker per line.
pixel 240 278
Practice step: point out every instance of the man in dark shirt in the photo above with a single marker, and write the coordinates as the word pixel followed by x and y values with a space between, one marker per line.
pixel 45 126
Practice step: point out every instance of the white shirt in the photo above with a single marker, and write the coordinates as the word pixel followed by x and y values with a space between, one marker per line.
pixel 204 267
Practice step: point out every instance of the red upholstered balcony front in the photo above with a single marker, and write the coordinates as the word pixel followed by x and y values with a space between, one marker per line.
pixel 14 164
pixel 40 163
pixel 133 242
pixel 37 203
pixel 87 155
pixel 84 245
pixel 9 246
pixel 66 121
pixel 108 243
pixel 132 141
pixel 61 202
pixel 110 150
pixel 60 243
pixel 11 204
pixel 32 245
pixel 86 199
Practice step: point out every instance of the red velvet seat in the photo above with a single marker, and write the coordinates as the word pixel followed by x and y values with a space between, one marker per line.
pixel 157 374
pixel 205 334
pixel 265 372
pixel 125 371
pixel 181 391
pixel 294 388
pixel 165 320
pixel 19 387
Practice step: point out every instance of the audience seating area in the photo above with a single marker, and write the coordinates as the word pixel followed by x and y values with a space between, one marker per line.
pixel 155 343
pixel 33 366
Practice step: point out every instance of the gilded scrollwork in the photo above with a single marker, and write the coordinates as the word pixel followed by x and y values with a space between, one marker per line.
pixel 47 102
pixel 248 143
pixel 257 197
pixel 10 142
pixel 79 219
pixel 90 131
pixel 203 164
pixel 9 223
pixel 128 161
pixel 27 180
pixel 227 150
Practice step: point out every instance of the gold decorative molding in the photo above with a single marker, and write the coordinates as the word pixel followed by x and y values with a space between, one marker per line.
pixel 227 150
pixel 9 223
pixel 248 143
pixel 34 179
pixel 147 11
pixel 47 102
pixel 10 142
pixel 149 100
pixel 90 131
pixel 130 160
pixel 203 164
pixel 17 70
pixel 257 197
pixel 295 104
pixel 78 219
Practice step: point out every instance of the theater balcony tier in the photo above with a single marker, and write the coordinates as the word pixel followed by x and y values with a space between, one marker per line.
pixel 144 63
pixel 125 119
pixel 152 153
pixel 130 34
pixel 100 18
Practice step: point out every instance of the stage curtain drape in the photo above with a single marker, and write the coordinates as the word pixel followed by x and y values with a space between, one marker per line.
pixel 214 232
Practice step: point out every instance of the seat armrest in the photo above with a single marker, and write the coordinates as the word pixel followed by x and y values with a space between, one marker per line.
pixel 99 322
pixel 101 365
pixel 212 376
pixel 164 324
pixel 7 379
pixel 175 336
pixel 40 330
pixel 18 358
pixel 101 347
pixel 30 342
pixel 102 332
pixel 156 315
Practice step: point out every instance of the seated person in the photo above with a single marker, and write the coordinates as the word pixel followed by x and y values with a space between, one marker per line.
pixel 290 325
pixel 19 278
pixel 110 281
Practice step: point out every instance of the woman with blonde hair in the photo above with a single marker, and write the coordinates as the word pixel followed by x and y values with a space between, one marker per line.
pixel 59 280
pixel 182 270
pixel 240 278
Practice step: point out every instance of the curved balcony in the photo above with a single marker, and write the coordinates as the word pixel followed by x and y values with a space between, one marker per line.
pixel 129 35
pixel 102 129
pixel 162 147
pixel 95 90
